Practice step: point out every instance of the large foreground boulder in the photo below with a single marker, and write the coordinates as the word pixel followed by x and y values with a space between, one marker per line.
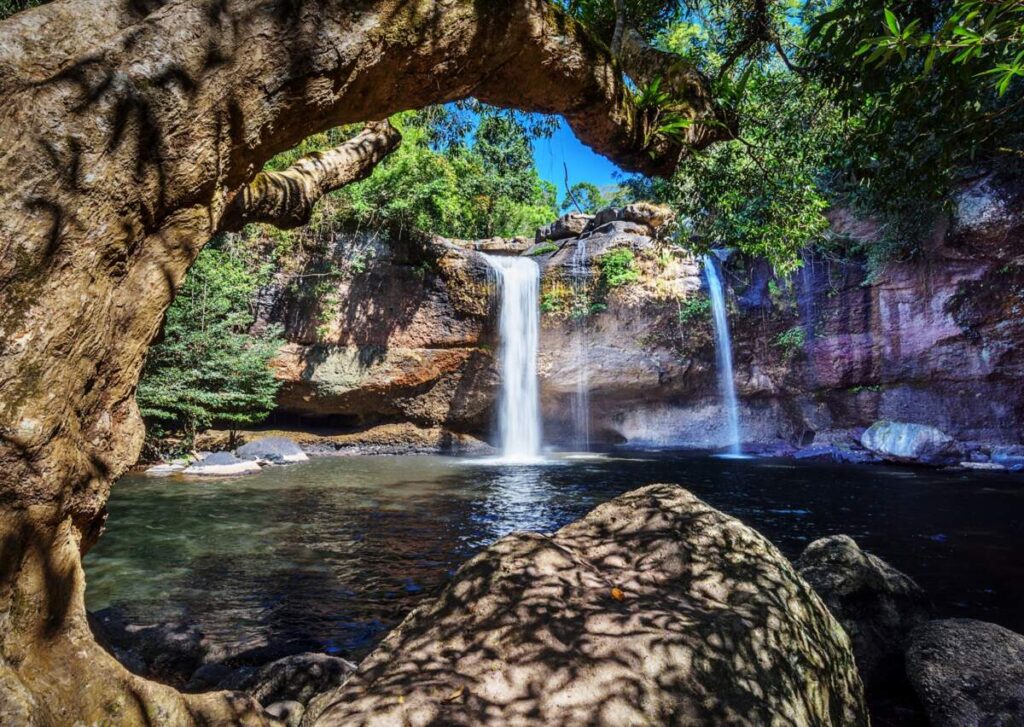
pixel 968 673
pixel 277 450
pixel 653 609
pixel 912 443
pixel 876 604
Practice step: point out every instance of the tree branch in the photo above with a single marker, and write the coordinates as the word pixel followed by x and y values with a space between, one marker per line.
pixel 286 199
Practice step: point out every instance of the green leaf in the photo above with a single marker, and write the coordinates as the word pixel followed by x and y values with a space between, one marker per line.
pixel 891 21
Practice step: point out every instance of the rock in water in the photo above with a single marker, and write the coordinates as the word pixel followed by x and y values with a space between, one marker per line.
pixel 654 609
pixel 876 604
pixel 295 678
pixel 278 450
pixel 221 464
pixel 903 442
pixel 968 673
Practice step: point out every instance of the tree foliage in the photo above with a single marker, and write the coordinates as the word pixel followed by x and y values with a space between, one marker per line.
pixel 208 369
pixel 459 173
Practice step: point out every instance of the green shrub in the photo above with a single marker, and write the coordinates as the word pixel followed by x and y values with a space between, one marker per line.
pixel 792 341
pixel 618 267
pixel 694 310
pixel 543 249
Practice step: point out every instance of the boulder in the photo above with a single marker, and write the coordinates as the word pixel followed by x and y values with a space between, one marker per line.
pixel 169 651
pixel 650 216
pixel 296 678
pixel 653 609
pixel 221 464
pixel 876 604
pixel 1009 456
pixel 288 712
pixel 968 673
pixel 570 225
pixel 165 469
pixel 905 442
pixel 278 450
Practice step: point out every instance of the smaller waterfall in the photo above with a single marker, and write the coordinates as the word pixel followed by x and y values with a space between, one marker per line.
pixel 519 427
pixel 723 345
pixel 580 272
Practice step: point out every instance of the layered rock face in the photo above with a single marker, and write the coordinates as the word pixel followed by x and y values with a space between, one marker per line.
pixel 819 356
pixel 653 609
pixel 396 331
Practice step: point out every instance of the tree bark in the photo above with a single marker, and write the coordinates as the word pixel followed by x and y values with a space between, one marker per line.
pixel 286 199
pixel 129 132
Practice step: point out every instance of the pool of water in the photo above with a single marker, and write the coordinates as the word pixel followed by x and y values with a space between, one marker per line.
pixel 332 553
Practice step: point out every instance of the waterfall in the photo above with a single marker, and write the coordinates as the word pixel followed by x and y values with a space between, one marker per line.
pixel 580 272
pixel 518 284
pixel 724 349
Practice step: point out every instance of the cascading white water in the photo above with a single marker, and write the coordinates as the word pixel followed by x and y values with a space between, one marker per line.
pixel 580 272
pixel 724 348
pixel 519 427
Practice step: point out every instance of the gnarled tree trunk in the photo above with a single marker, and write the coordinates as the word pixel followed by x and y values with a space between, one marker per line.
pixel 130 132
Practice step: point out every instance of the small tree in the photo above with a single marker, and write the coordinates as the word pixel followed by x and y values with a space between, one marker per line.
pixel 208 369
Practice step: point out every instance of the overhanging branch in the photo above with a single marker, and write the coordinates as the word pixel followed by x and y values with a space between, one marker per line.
pixel 286 199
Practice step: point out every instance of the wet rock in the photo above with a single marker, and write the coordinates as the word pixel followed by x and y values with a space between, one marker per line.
pixel 296 678
pixel 914 443
pixel 876 604
pixel 277 450
pixel 221 464
pixel 169 651
pixel 165 469
pixel 989 466
pixel 208 676
pixel 968 673
pixel 570 225
pixel 288 712
pixel 654 605
pixel 1009 456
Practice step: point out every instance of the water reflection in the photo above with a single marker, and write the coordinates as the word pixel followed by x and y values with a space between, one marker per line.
pixel 332 553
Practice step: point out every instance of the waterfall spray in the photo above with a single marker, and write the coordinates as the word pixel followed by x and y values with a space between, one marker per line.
pixel 519 427
pixel 724 349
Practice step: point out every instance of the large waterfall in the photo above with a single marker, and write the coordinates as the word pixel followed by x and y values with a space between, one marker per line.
pixel 724 348
pixel 519 428
pixel 580 272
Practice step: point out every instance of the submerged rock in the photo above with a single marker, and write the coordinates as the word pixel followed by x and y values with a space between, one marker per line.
pixel 278 450
pixel 168 651
pixel 221 464
pixel 653 609
pixel 876 604
pixel 905 442
pixel 165 469
pixel 968 673
pixel 295 678
pixel 1009 456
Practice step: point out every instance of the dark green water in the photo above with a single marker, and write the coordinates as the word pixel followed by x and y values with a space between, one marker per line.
pixel 332 553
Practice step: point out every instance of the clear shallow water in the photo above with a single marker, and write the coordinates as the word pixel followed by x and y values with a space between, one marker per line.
pixel 332 553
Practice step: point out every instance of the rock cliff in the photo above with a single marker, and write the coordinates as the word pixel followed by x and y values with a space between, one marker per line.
pixel 403 332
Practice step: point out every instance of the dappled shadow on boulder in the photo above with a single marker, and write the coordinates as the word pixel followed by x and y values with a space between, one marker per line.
pixel 653 609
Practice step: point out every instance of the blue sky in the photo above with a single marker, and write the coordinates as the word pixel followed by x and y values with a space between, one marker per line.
pixel 584 165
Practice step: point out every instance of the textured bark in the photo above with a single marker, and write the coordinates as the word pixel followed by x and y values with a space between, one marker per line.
pixel 286 199
pixel 126 132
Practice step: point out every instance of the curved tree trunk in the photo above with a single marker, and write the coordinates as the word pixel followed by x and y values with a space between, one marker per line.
pixel 129 133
